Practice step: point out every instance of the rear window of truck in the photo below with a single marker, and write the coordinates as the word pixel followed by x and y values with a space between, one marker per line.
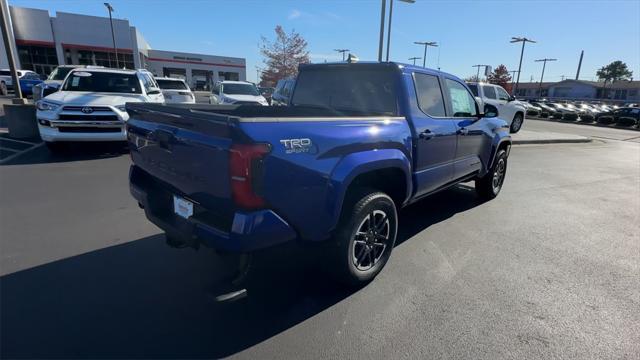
pixel 347 89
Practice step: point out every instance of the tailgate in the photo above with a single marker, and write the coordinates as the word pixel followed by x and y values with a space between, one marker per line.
pixel 186 149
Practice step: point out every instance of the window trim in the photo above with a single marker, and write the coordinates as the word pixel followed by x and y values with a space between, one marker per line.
pixel 444 100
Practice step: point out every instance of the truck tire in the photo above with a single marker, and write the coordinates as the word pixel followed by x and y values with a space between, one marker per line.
pixel 489 186
pixel 516 124
pixel 365 237
pixel 3 89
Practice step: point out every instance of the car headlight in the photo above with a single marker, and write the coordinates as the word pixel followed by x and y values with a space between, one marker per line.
pixel 46 106
pixel 227 100
pixel 122 108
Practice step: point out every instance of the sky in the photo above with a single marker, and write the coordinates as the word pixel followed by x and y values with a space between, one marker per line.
pixel 468 32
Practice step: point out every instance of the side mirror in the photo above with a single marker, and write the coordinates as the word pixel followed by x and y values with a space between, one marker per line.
pixel 153 91
pixel 511 98
pixel 490 111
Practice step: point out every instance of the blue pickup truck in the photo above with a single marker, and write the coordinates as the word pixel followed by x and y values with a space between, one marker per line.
pixel 358 142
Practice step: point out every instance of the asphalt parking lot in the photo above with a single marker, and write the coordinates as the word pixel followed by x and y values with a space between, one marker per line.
pixel 549 269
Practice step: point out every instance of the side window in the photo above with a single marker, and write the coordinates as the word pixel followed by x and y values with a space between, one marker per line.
pixel 463 103
pixel 429 95
pixel 474 89
pixel 216 89
pixel 489 92
pixel 502 94
pixel 290 85
pixel 146 82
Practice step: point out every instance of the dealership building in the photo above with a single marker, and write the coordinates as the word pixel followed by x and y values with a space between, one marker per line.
pixel 43 42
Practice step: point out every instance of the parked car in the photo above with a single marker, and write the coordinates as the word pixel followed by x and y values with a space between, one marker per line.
pixel 236 93
pixel 267 92
pixel 175 91
pixel 357 143
pixel 53 82
pixel 531 109
pixel 282 93
pixel 510 109
pixel 90 105
pixel 624 116
pixel 27 79
pixel 545 110
pixel 560 109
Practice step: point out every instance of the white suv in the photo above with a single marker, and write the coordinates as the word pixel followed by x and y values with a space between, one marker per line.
pixel 90 105
pixel 236 93
pixel 509 109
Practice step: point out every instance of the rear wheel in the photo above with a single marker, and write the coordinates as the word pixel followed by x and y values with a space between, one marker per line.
pixel 489 186
pixel 516 124
pixel 365 237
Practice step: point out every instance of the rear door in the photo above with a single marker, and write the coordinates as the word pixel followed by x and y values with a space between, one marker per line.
pixel 435 131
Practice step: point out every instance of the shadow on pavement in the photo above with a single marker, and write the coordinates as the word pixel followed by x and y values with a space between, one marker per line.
pixel 142 299
pixel 71 152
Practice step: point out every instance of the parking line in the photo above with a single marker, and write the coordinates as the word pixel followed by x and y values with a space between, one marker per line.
pixel 9 158
pixel 20 141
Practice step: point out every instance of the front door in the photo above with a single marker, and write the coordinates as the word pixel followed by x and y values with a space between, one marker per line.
pixel 435 136
pixel 507 110
pixel 471 130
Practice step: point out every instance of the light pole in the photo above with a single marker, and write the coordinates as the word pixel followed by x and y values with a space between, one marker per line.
pixel 113 35
pixel 4 14
pixel 382 16
pixel 523 40
pixel 414 59
pixel 342 51
pixel 544 64
pixel 478 72
pixel 426 45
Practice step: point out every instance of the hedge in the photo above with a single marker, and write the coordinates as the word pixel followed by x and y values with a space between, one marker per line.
pixel 605 119
pixel 587 118
pixel 570 116
pixel 557 115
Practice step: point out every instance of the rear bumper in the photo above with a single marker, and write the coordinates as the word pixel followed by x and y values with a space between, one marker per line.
pixel 249 231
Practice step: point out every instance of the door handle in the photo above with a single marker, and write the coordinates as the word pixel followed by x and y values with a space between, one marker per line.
pixel 427 134
pixel 462 131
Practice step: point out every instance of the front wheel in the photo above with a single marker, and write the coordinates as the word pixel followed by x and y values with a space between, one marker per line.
pixel 365 238
pixel 516 124
pixel 489 186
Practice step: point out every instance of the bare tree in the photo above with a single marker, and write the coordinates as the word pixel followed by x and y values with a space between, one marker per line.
pixel 282 56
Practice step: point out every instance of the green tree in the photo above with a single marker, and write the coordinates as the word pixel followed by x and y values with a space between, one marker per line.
pixel 282 56
pixel 500 76
pixel 617 70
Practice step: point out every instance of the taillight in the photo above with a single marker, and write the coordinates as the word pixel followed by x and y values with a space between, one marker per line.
pixel 245 167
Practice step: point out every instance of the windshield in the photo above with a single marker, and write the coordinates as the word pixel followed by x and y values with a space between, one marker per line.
pixel 172 84
pixel 239 89
pixel 102 82
pixel 59 73
pixel 350 88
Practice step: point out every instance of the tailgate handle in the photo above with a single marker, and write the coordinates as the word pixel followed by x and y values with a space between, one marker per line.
pixel 163 138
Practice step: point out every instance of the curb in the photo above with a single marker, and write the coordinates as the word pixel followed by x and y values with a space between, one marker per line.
pixel 552 141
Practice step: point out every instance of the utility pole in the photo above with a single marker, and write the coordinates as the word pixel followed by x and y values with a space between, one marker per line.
pixel 4 11
pixel 523 40
pixel 544 64
pixel 579 64
pixel 414 59
pixel 389 26
pixel 342 51
pixel 426 44
pixel 113 34
pixel 382 15
pixel 478 72
pixel 513 77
